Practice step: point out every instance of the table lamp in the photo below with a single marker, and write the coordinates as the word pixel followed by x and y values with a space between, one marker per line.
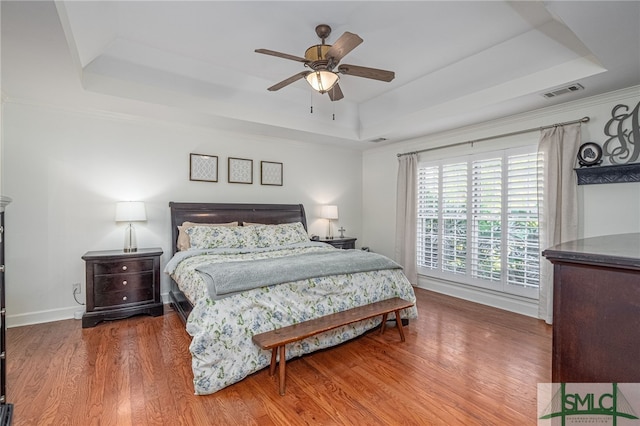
pixel 130 211
pixel 330 213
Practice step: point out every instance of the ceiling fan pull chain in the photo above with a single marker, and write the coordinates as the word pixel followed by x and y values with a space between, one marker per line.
pixel 311 101
pixel 333 104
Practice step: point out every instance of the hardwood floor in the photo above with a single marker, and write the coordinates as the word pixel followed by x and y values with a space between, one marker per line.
pixel 461 364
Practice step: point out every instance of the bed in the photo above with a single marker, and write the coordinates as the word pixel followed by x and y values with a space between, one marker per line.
pixel 242 269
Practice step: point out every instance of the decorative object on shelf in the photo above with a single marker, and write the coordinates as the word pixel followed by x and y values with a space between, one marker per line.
pixel 341 229
pixel 270 173
pixel 203 168
pixel 330 212
pixel 589 154
pixel 130 211
pixel 240 170
pixel 623 129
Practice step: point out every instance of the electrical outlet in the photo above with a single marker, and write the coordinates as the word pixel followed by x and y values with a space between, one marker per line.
pixel 76 288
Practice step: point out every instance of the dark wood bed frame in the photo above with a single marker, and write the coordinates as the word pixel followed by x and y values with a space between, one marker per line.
pixel 270 214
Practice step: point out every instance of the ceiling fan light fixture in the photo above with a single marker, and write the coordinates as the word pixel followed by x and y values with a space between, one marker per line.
pixel 322 81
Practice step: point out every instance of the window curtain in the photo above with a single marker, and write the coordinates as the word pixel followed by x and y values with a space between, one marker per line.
pixel 406 215
pixel 558 219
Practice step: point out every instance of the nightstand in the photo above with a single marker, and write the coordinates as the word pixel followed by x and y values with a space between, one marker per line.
pixel 120 285
pixel 341 243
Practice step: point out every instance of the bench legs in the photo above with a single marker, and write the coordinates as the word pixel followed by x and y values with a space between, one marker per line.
pixel 283 358
pixel 398 323
pixel 282 365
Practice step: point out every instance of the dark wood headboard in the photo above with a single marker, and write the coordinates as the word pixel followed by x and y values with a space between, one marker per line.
pixel 271 214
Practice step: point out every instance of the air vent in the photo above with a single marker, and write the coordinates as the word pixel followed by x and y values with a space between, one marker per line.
pixel 376 140
pixel 563 91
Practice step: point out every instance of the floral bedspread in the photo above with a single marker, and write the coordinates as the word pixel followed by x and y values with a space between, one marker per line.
pixel 221 347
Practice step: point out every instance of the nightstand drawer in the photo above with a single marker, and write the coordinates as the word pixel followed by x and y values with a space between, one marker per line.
pixel 121 282
pixel 344 243
pixel 115 298
pixel 123 266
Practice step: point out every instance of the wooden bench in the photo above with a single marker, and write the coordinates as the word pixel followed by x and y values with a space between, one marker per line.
pixel 277 339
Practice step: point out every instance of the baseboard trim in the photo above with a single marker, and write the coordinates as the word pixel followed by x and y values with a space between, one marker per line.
pixel 53 315
pixel 41 317
pixel 515 304
pixel 519 305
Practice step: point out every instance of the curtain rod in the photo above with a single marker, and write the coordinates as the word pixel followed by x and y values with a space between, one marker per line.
pixel 504 135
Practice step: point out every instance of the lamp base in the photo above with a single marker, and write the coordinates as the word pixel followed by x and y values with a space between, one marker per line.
pixel 329 231
pixel 130 244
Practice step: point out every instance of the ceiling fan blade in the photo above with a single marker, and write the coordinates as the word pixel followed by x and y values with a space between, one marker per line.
pixel 335 94
pixel 281 55
pixel 288 81
pixel 345 44
pixel 373 73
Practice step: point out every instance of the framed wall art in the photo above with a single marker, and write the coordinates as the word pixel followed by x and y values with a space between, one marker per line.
pixel 203 168
pixel 270 173
pixel 240 170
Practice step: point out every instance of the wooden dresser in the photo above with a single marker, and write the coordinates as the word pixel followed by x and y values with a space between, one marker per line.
pixel 6 409
pixel 120 285
pixel 596 309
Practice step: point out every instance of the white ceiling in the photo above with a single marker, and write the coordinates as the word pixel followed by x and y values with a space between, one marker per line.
pixel 456 63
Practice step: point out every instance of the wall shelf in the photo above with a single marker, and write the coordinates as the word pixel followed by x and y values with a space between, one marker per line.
pixel 608 174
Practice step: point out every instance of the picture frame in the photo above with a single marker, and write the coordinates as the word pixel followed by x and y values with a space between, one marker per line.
pixel 240 170
pixel 271 173
pixel 203 168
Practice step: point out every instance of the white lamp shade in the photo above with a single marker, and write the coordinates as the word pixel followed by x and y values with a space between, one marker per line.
pixel 329 212
pixel 322 81
pixel 130 211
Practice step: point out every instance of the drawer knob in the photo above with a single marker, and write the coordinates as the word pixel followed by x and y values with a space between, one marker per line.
pixel 124 268
pixel 124 298
pixel 124 282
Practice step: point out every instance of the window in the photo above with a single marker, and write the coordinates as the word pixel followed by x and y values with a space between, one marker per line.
pixel 478 221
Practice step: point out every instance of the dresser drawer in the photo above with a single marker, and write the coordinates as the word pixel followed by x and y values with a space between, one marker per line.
pixel 122 282
pixel 116 298
pixel 123 266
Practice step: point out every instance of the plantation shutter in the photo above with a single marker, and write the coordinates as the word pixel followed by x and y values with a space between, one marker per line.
pixel 478 221
pixel 486 258
pixel 428 213
pixel 454 218
pixel 523 244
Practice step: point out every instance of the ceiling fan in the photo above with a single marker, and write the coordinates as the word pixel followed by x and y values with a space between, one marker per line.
pixel 323 60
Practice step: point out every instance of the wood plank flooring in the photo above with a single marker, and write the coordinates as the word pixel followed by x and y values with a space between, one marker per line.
pixel 462 364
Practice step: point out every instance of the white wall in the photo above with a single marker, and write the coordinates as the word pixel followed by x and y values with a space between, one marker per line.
pixel 604 209
pixel 66 169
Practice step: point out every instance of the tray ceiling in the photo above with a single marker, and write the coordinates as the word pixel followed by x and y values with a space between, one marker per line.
pixel 456 63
